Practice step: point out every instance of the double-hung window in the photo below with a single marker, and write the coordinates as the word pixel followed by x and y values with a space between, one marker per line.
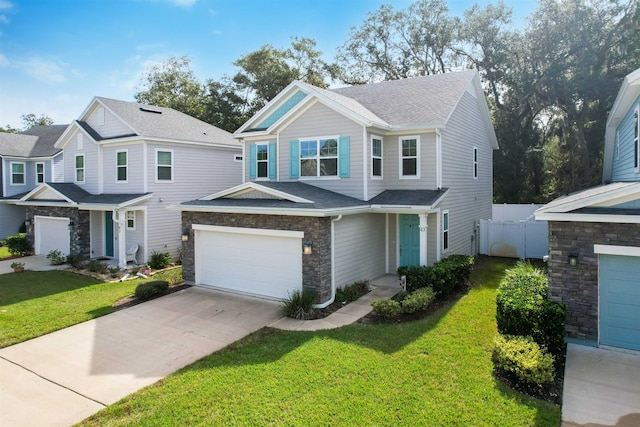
pixel 121 166
pixel 475 162
pixel 319 157
pixel 39 173
pixel 17 173
pixel 445 230
pixel 164 165
pixel 79 167
pixel 376 157
pixel 409 157
pixel 131 220
pixel 636 140
pixel 262 160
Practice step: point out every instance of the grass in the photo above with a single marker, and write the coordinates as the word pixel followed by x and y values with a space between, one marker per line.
pixel 435 371
pixel 4 252
pixel 35 303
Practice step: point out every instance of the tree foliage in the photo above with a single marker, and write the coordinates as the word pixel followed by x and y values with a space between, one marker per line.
pixel 30 120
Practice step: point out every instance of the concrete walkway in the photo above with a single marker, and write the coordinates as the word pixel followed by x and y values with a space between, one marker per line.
pixel 33 262
pixel 601 388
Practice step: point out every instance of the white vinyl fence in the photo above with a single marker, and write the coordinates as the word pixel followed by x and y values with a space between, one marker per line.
pixel 515 234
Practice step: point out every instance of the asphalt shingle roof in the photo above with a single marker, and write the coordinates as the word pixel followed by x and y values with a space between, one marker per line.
pixel 36 142
pixel 78 195
pixel 408 197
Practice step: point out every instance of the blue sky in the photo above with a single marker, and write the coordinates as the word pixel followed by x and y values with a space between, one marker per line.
pixel 56 55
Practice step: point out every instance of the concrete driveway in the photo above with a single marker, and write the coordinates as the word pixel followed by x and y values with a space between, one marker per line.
pixel 61 378
pixel 601 388
pixel 32 262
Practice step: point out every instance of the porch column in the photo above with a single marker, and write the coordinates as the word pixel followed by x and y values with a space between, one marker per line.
pixel 423 238
pixel 122 243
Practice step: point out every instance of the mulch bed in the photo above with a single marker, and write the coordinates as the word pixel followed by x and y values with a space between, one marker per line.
pixel 132 300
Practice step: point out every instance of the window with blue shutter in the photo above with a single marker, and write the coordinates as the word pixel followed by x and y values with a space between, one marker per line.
pixel 324 157
pixel 294 159
pixel 272 160
pixel 252 161
pixel 344 159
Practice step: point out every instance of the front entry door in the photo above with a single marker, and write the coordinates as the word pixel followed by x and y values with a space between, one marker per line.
pixel 108 233
pixel 409 240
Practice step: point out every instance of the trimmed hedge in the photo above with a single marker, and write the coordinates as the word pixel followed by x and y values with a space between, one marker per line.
pixel 523 357
pixel 159 260
pixel 387 308
pixel 19 245
pixel 523 308
pixel 151 289
pixel 443 276
pixel 418 300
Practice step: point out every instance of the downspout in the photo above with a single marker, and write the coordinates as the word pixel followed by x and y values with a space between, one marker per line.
pixel 122 244
pixel 333 268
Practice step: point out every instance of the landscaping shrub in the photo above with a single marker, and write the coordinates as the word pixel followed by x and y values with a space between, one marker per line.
pixel 418 300
pixel 151 289
pixel 56 257
pixel 352 292
pixel 387 308
pixel 523 308
pixel 96 266
pixel 76 261
pixel 443 276
pixel 523 357
pixel 159 260
pixel 299 304
pixel 19 245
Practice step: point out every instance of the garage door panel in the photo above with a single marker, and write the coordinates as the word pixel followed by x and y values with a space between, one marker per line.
pixel 51 233
pixel 263 265
pixel 620 301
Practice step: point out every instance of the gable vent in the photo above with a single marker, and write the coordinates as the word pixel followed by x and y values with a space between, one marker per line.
pixel 146 110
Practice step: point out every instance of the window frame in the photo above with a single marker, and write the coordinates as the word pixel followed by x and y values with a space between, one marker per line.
pixel 40 173
pixel 475 162
pixel 401 157
pixel 374 157
pixel 446 228
pixel 259 161
pixel 318 158
pixel 23 173
pixel 636 139
pixel 133 219
pixel 158 180
pixel 77 169
pixel 125 166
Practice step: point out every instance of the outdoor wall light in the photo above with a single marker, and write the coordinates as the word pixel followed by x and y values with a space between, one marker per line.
pixel 573 259
pixel 71 224
pixel 27 223
pixel 307 249
pixel 185 237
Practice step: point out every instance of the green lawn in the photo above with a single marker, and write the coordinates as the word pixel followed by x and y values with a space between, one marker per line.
pixel 435 371
pixel 35 303
pixel 4 252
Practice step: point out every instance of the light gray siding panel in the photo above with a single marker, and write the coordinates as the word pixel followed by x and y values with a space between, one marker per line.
pixel 393 245
pixel 468 199
pixel 320 121
pixel 91 162
pixel 58 168
pixel 623 162
pixel 137 236
pixel 432 238
pixel 391 172
pixel 12 218
pixel 109 127
pixel 135 171
pixel 359 248
pixel 96 219
pixel 377 185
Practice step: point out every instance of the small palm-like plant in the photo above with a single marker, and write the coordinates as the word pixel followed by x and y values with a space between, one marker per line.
pixel 299 304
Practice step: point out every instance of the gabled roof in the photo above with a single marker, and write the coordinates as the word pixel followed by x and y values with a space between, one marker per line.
pixel 628 93
pixel 71 194
pixel 38 141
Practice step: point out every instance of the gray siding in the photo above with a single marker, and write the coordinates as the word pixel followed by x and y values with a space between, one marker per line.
pixel 137 236
pixel 359 248
pixel 468 199
pixel 97 226
pixel 58 168
pixel 91 161
pixel 393 243
pixel 12 218
pixel 109 127
pixel 135 169
pixel 623 164
pixel 30 175
pixel 320 121
pixel 432 238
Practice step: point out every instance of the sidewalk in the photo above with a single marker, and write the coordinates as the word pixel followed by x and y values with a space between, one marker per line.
pixel 33 262
pixel 382 287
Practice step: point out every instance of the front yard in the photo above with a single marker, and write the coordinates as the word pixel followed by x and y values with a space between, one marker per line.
pixel 434 371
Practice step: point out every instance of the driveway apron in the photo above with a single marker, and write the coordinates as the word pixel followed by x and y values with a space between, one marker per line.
pixel 76 371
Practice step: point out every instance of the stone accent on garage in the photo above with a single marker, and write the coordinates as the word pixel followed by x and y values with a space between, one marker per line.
pixel 577 286
pixel 316 268
pixel 80 236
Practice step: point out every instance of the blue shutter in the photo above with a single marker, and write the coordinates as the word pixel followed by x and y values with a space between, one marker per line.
pixel 252 161
pixel 294 159
pixel 343 156
pixel 272 160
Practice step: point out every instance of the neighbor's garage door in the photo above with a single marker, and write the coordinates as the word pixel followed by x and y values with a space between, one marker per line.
pixel 620 301
pixel 260 262
pixel 51 233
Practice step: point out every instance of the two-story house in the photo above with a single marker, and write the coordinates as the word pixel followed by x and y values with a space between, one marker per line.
pixel 123 164
pixel 26 160
pixel 347 184
pixel 594 237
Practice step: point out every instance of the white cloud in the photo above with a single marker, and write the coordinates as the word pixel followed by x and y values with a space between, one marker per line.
pixel 4 61
pixel 43 69
pixel 183 3
pixel 4 19
pixel 4 4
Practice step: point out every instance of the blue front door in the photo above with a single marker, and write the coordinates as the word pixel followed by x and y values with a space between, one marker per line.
pixel 108 233
pixel 409 240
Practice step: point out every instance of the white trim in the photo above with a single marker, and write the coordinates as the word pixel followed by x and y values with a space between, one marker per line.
pixel 238 189
pixel 126 219
pixel 75 169
pixel 636 139
pixel 401 157
pixel 448 230
pixel 250 231
pixel 475 164
pixel 44 174
pixel 319 158
pixel 611 193
pixel 423 237
pixel 438 235
pixel 438 159
pixel 126 166
pixel 554 216
pixel 633 251
pixel 386 243
pixel 266 145
pixel 38 236
pixel 24 173
pixel 145 167
pixel 381 157
pixel 365 175
pixel 155 172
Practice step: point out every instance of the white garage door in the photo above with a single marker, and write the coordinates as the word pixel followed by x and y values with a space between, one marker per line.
pixel 51 233
pixel 260 262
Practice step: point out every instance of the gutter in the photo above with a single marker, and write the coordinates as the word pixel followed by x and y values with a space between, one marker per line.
pixel 333 266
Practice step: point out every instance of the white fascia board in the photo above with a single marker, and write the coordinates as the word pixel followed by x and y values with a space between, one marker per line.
pixel 423 128
pixel 45 203
pixel 577 217
pixel 270 211
pixel 617 250
pixel 28 159
pixel 238 189
pixel 175 142
pixel 42 187
pixel 594 200
pixel 59 143
pixel 401 209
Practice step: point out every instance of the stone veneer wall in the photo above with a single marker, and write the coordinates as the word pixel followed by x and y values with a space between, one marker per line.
pixel 577 286
pixel 316 268
pixel 80 236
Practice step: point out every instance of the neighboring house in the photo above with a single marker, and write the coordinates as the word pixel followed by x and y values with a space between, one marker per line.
pixel 594 237
pixel 124 163
pixel 361 179
pixel 26 160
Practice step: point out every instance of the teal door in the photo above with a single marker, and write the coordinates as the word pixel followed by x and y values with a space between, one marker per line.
pixel 409 240
pixel 108 233
pixel 620 301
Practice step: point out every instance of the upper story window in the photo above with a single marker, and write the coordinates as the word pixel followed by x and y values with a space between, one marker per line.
pixel 79 167
pixel 262 160
pixel 39 173
pixel 121 166
pixel 445 230
pixel 17 173
pixel 409 157
pixel 164 165
pixel 475 162
pixel 636 140
pixel 319 157
pixel 376 157
pixel 131 220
